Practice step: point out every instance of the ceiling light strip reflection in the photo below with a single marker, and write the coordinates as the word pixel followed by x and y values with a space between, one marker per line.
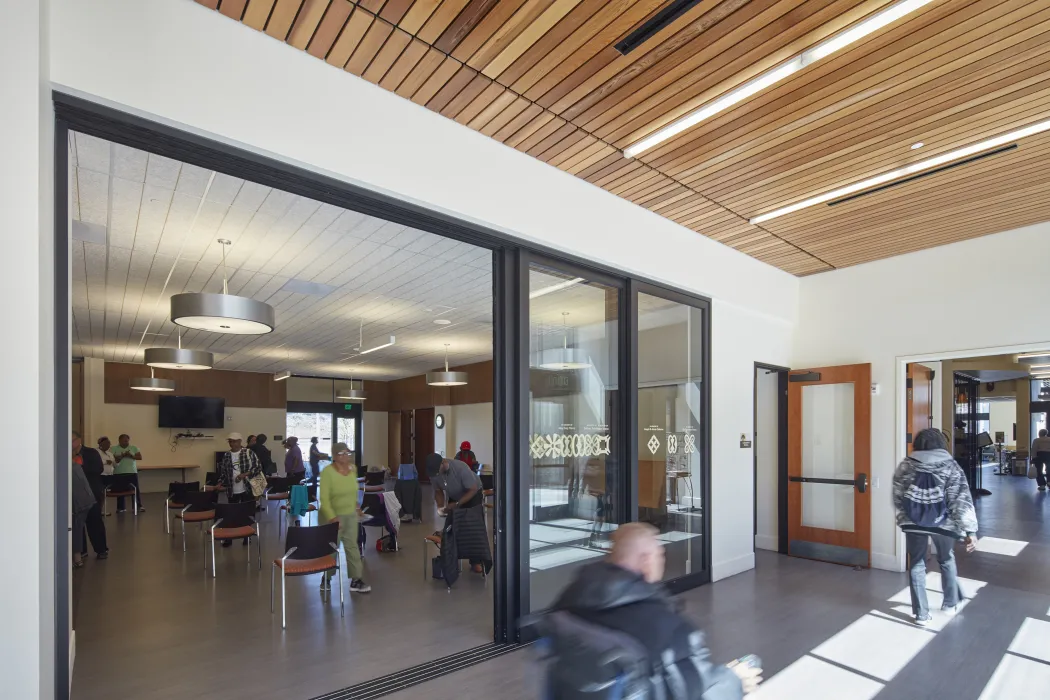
pixel 907 170
pixel 822 50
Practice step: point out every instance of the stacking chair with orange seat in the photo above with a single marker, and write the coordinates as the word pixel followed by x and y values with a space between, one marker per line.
pixel 312 505
pixel 277 489
pixel 121 486
pixel 234 521
pixel 200 508
pixel 177 491
pixel 308 550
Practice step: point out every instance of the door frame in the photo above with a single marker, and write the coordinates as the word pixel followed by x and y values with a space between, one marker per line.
pixel 782 453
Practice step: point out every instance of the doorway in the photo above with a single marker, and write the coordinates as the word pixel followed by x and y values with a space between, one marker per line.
pixel 770 457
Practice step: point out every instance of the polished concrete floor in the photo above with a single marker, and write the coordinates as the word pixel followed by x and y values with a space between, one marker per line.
pixel 827 632
pixel 151 624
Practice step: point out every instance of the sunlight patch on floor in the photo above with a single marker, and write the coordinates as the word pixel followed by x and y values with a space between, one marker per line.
pixel 1033 639
pixel 997 545
pixel 875 646
pixel 1017 678
pixel 814 679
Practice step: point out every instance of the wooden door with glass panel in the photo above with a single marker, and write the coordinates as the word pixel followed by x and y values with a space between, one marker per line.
pixel 829 460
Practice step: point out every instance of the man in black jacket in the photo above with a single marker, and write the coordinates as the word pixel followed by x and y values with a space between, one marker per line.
pixel 623 595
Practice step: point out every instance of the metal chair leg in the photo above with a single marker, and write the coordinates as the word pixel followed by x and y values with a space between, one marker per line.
pixel 273 568
pixel 284 619
pixel 167 516
pixel 184 535
pixel 339 579
pixel 213 575
pixel 258 545
pixel 135 501
pixel 424 560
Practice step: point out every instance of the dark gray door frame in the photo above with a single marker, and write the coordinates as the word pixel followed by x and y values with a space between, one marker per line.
pixel 782 452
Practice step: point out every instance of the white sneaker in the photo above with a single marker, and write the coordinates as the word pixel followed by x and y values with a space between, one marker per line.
pixel 950 610
pixel 923 621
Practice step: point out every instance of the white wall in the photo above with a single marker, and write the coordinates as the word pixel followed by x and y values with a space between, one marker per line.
pixel 909 306
pixel 375 438
pixel 1002 415
pixel 472 422
pixel 767 453
pixel 240 86
pixel 27 523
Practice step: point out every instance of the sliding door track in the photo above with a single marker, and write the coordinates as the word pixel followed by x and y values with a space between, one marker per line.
pixel 399 680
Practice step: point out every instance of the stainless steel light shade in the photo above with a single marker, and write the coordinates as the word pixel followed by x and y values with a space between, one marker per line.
pixel 178 358
pixel 446 378
pixel 562 358
pixel 351 394
pixel 152 383
pixel 222 313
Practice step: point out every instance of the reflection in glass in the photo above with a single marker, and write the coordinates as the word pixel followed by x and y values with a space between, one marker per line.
pixel 827 453
pixel 670 467
pixel 573 378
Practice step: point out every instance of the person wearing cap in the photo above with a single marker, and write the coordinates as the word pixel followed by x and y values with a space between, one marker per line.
pixel 238 466
pixel 339 504
pixel 293 460
pixel 466 455
pixel 457 487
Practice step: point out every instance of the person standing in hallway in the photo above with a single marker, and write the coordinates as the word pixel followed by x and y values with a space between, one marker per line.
pixel 128 457
pixel 293 460
pixel 339 504
pixel 1040 456
pixel 622 595
pixel 315 460
pixel 90 462
pixel 263 453
pixel 932 500
pixel 238 466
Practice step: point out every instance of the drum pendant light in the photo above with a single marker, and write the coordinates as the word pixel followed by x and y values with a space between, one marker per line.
pixel 563 358
pixel 178 358
pixel 151 383
pixel 222 313
pixel 446 378
pixel 352 394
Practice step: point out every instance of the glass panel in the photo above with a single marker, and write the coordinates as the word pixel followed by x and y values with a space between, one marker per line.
pixel 573 382
pixel 346 431
pixel 670 468
pixel 308 425
pixel 827 453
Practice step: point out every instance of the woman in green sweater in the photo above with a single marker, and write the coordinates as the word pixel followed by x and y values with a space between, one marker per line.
pixel 339 504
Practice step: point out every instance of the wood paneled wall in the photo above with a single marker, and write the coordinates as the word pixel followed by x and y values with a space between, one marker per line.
pixel 414 392
pixel 239 389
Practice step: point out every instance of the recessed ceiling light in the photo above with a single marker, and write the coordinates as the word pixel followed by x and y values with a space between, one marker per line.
pixel 775 75
pixel 934 162
pixel 916 146
pixel 442 321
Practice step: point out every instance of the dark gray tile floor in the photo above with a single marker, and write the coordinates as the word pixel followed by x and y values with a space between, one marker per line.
pixel 827 632
pixel 151 624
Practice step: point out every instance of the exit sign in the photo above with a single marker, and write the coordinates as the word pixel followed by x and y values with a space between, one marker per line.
pixel 348 406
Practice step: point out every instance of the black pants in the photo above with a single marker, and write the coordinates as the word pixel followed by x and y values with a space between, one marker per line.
pixel 133 479
pixel 245 497
pixel 1041 460
pixel 96 531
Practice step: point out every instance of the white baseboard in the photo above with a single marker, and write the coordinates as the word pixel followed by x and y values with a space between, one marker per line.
pixel 725 569
pixel 770 542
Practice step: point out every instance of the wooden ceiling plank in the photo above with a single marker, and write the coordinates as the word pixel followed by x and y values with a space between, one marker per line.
pixel 280 22
pixel 561 143
pixel 590 161
pixel 493 109
pixel 440 19
pixel 823 86
pixel 551 41
pixel 477 85
pixel 595 151
pixel 422 72
pixel 404 65
pixel 395 10
pixel 395 45
pixel 374 39
pixel 479 29
pixel 349 38
pixel 618 173
pixel 532 33
pixel 489 96
pixel 586 145
pixel 523 142
pixel 642 194
pixel 504 117
pixel 656 204
pixel 640 179
pixel 611 170
pixel 234 9
pixel 210 4
pixel 373 6
pixel 306 22
pixel 437 80
pixel 329 29
pixel 520 120
pixel 465 22
pixel 539 121
pixel 418 14
pixel 257 13
pixel 553 141
pixel 613 158
pixel 460 80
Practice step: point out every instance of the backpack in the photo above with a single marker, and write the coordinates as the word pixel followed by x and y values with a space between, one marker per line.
pixel 592 662
pixel 925 501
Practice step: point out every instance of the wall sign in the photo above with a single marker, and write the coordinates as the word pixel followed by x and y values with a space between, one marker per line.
pixel 439 421
pixel 744 442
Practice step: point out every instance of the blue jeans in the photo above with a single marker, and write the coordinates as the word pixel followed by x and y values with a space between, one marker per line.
pixel 917 547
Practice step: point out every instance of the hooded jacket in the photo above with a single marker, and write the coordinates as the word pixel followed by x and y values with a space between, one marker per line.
pixel 612 597
pixel 962 519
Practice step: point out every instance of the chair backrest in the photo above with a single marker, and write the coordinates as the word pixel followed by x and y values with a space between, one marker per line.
pixel 235 514
pixel 280 484
pixel 178 489
pixel 407 472
pixel 312 542
pixel 211 478
pixel 362 470
pixel 201 500
pixel 372 505
pixel 488 481
pixel 121 482
pixel 375 478
pixel 311 493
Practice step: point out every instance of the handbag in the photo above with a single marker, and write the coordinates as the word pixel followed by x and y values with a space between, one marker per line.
pixel 1033 469
pixel 258 484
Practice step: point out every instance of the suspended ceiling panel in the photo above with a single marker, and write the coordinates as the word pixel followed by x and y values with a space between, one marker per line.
pixel 543 76
pixel 146 227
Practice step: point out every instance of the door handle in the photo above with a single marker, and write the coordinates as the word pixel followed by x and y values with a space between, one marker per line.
pixel 861 482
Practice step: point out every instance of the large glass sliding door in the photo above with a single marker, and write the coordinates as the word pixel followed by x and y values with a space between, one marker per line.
pixel 670 435
pixel 574 436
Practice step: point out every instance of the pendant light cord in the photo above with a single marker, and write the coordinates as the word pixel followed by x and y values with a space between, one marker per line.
pixel 225 287
pixel 446 357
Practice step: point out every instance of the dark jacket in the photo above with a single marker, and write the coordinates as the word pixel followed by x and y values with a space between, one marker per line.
pixel 265 459
pixel 614 598
pixel 93 471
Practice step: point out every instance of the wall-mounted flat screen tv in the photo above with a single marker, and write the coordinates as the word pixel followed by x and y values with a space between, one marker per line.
pixel 191 412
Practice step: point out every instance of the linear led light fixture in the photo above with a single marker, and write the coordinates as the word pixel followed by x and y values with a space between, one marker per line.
pixel 281 376
pixel 774 75
pixel 378 347
pixel 554 288
pixel 1041 353
pixel 958 154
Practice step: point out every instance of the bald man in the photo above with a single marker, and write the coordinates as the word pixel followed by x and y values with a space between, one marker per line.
pixel 622 594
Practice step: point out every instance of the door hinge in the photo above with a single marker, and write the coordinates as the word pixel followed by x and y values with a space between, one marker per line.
pixel 909 438
pixel 909 383
pixel 909 393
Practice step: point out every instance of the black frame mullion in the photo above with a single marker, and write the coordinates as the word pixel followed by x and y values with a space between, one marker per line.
pixel 630 376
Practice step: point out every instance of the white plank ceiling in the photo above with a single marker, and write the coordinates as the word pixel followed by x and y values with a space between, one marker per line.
pixel 146 227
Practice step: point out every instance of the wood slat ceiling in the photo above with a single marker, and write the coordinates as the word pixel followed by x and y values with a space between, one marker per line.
pixel 542 76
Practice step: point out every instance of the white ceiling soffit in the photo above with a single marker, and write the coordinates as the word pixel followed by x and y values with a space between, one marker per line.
pixel 324 269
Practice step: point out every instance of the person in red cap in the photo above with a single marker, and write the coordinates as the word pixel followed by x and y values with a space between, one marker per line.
pixel 466 455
